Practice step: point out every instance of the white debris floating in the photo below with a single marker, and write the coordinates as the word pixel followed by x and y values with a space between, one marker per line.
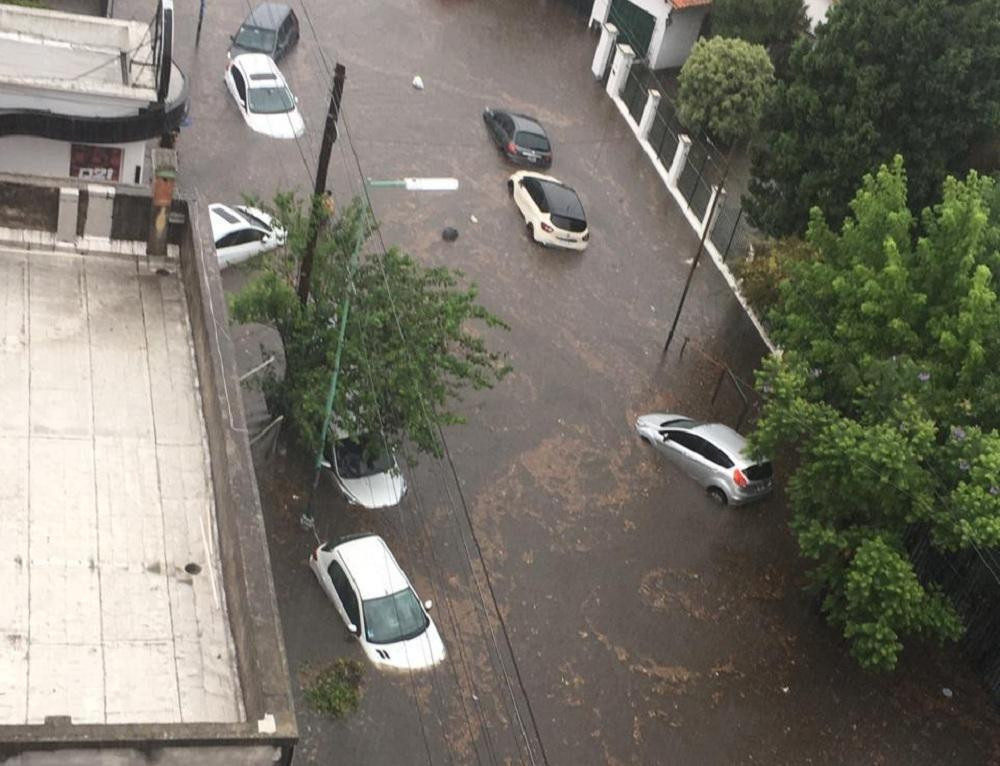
pixel 418 82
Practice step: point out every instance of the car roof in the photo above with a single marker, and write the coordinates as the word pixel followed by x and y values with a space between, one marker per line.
pixel 258 63
pixel 372 567
pixel 562 200
pixel 526 123
pixel 725 438
pixel 225 219
pixel 267 16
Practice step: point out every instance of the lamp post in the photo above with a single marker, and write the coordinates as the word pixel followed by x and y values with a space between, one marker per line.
pixel 410 184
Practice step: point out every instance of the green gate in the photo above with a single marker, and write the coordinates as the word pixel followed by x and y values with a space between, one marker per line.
pixel 635 26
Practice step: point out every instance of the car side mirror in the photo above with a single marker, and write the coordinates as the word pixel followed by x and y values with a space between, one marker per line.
pixel 428 605
pixel 296 99
pixel 353 629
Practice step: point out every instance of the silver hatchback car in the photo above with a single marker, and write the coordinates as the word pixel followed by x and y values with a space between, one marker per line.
pixel 711 453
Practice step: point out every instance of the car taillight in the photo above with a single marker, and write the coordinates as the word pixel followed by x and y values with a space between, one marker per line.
pixel 739 478
pixel 586 237
pixel 313 557
pixel 546 227
pixel 512 148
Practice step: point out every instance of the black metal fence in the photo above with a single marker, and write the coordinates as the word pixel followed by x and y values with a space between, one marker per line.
pixel 731 234
pixel 634 91
pixel 703 170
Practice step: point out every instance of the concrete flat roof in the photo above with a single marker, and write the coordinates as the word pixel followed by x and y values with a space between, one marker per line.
pixel 20 55
pixel 83 54
pixel 106 501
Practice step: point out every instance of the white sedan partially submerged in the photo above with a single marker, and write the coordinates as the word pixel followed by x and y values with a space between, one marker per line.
pixel 365 470
pixel 377 603
pixel 241 232
pixel 263 97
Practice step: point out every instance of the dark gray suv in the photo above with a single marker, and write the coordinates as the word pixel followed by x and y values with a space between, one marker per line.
pixel 271 29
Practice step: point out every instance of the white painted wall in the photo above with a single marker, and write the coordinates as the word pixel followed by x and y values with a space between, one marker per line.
pixel 678 37
pixel 30 155
pixel 673 33
pixel 816 10
pixel 56 98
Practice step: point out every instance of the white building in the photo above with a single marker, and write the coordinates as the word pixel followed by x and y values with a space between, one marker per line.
pixel 80 96
pixel 660 31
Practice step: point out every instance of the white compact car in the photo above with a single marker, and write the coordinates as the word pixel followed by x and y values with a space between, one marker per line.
pixel 241 232
pixel 263 97
pixel 366 472
pixel 377 603
pixel 552 212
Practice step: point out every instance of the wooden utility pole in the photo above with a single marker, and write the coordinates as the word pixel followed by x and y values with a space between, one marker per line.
pixel 697 255
pixel 318 212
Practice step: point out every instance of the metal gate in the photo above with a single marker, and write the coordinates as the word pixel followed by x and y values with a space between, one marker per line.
pixel 635 26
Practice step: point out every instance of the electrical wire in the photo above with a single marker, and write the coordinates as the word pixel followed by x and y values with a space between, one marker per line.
pixel 427 414
pixel 419 521
pixel 325 63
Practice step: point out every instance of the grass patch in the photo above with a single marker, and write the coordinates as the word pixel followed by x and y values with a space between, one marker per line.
pixel 333 689
pixel 24 3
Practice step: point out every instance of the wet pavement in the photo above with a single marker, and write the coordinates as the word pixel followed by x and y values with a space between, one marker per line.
pixel 648 626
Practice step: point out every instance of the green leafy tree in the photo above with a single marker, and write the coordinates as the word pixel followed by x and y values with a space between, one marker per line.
pixel 919 78
pixel 888 393
pixel 723 87
pixel 775 24
pixel 761 277
pixel 413 341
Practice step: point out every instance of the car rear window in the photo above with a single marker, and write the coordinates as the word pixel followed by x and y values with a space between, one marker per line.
pixel 255 39
pixel 532 141
pixel 569 224
pixel 759 472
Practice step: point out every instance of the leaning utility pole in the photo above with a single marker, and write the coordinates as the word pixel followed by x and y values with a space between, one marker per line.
pixel 317 211
pixel 697 255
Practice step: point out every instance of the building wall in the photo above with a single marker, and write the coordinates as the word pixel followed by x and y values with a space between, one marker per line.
pixel 55 98
pixel 674 33
pixel 30 155
pixel 677 38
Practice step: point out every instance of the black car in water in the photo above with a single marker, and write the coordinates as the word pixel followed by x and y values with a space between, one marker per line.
pixel 521 138
pixel 271 29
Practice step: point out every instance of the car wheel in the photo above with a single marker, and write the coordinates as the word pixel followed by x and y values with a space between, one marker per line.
pixel 717 495
pixel 510 188
pixel 531 232
pixel 646 439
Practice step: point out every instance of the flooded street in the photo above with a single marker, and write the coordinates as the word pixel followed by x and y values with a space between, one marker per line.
pixel 648 626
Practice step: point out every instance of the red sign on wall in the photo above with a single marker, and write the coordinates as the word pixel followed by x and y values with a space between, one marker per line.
pixel 100 163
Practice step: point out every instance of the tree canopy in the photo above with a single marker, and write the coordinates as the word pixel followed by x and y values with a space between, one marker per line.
pixel 723 87
pixel 888 392
pixel 775 24
pixel 920 78
pixel 413 341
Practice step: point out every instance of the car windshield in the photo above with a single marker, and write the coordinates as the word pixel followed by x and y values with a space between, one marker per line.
pixel 255 39
pixel 398 617
pixel 272 100
pixel 364 456
pixel 532 141
pixel 254 220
